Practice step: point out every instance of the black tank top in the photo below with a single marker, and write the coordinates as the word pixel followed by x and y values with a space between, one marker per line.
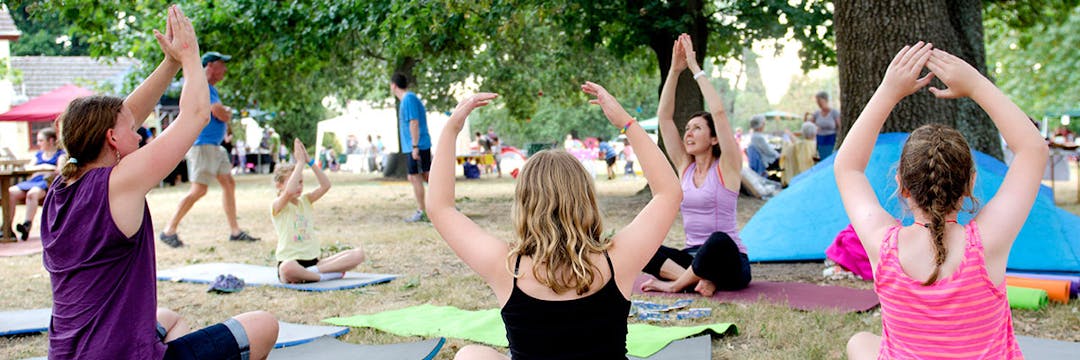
pixel 592 327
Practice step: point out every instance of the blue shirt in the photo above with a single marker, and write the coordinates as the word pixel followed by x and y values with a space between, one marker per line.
pixel 214 132
pixel 412 109
pixel 609 152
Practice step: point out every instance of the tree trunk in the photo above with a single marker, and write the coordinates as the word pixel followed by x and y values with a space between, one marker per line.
pixel 869 34
pixel 404 66
pixel 688 99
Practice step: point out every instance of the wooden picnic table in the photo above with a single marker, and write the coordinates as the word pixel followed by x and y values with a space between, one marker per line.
pixel 9 171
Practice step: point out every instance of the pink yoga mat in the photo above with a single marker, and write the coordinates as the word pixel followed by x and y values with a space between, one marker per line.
pixel 799 296
pixel 20 248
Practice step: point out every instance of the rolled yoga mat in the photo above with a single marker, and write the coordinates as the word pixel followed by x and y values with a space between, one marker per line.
pixel 1026 298
pixel 1074 280
pixel 1057 290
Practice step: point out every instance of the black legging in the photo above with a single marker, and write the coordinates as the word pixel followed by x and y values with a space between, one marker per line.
pixel 717 260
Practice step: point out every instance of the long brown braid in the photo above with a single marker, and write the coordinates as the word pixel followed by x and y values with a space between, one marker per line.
pixel 936 169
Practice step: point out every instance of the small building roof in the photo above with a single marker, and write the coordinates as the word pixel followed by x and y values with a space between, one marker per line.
pixel 41 74
pixel 8 30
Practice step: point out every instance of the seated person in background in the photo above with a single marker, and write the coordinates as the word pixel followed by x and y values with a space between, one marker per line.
pixel 758 143
pixel 798 155
pixel 33 191
pixel 298 248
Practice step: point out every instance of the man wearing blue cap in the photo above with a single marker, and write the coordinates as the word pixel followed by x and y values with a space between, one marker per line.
pixel 208 160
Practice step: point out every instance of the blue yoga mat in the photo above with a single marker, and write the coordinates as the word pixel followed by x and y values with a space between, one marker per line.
pixel 24 321
pixel 330 348
pixel 266 275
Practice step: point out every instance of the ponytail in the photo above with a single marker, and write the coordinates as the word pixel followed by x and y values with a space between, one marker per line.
pixel 69 168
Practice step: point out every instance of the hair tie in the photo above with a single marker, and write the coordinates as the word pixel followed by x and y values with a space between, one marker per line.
pixel 72 160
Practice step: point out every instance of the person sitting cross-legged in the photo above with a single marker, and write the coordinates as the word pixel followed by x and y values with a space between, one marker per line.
pixel 298 248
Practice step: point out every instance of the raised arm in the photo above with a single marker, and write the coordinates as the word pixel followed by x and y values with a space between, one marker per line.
pixel 141 101
pixel 293 189
pixel 484 253
pixel 320 176
pixel 665 112
pixel 635 244
pixel 730 154
pixel 1004 215
pixel 870 220
pixel 143 169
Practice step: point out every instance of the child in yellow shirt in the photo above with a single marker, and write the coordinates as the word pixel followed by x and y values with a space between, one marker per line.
pixel 298 248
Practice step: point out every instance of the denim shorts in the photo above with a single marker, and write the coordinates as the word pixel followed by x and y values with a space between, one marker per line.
pixel 226 340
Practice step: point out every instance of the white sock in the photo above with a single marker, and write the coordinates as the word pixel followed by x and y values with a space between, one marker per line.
pixel 330 276
pixel 324 276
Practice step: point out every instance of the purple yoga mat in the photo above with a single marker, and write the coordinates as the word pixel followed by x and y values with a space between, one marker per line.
pixel 1075 280
pixel 799 296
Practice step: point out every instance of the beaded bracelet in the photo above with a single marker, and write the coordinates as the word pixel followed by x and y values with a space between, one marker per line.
pixel 626 127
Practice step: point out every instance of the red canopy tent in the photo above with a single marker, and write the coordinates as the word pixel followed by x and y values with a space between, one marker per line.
pixel 47 106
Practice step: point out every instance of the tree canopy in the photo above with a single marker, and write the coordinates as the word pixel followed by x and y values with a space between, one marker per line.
pixel 1034 62
pixel 288 56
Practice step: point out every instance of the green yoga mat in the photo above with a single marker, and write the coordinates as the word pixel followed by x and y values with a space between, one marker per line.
pixel 1026 298
pixel 486 326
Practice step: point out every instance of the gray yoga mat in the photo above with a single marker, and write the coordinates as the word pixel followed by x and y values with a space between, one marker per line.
pixel 24 321
pixel 1038 349
pixel 330 348
pixel 266 275
pixel 695 348
pixel 290 334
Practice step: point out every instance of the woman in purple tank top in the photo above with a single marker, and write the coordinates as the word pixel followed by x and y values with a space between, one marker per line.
pixel 709 161
pixel 98 236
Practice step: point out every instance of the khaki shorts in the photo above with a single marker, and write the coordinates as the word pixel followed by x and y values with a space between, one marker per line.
pixel 206 162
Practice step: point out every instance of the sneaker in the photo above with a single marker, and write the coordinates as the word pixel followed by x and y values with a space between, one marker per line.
pixel 24 230
pixel 226 283
pixel 242 236
pixel 418 216
pixel 172 240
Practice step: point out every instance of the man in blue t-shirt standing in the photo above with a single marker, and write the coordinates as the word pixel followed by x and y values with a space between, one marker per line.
pixel 607 152
pixel 412 118
pixel 207 160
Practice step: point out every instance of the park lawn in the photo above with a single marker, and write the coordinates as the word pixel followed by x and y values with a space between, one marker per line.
pixel 362 210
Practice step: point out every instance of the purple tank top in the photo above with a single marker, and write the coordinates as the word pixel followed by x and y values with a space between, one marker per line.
pixel 104 290
pixel 708 209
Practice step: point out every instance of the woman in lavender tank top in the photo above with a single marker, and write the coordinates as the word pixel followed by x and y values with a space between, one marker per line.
pixel 98 236
pixel 709 161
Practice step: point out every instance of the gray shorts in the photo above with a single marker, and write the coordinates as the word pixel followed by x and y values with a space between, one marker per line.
pixel 206 162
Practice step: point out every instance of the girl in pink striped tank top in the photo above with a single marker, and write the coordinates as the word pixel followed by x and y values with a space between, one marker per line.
pixel 942 285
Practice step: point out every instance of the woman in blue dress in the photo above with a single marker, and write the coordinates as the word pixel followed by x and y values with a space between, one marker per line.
pixel 33 190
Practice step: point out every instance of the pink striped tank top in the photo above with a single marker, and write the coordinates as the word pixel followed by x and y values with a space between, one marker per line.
pixel 962 316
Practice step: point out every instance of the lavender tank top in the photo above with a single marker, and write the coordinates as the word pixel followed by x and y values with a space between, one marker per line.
pixel 104 290
pixel 708 209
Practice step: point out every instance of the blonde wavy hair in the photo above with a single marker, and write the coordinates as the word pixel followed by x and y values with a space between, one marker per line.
pixel 557 222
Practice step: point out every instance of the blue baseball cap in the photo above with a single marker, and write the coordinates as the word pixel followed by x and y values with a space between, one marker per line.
pixel 214 56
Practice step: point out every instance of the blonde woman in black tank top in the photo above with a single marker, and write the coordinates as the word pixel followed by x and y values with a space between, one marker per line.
pixel 560 278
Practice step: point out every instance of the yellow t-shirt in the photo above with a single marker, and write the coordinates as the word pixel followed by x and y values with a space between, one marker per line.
pixel 296 231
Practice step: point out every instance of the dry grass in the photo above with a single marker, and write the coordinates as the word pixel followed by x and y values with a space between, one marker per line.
pixel 362 210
